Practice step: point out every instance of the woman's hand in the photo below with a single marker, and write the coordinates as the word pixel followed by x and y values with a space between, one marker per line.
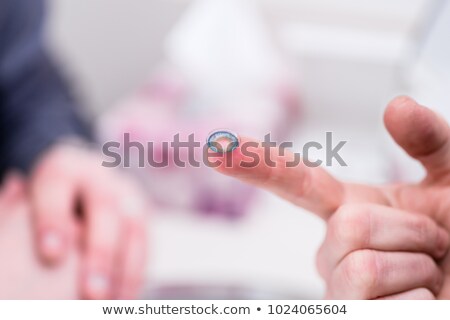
pixel 382 242
pixel 69 186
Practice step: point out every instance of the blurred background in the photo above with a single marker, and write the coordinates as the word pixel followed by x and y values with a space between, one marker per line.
pixel 295 68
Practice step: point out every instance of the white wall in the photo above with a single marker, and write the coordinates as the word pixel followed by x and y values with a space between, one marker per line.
pixel 110 46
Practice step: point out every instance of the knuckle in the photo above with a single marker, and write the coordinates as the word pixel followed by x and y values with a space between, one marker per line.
pixel 351 225
pixel 362 271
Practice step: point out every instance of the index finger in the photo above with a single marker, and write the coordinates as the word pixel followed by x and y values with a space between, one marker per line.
pixel 277 170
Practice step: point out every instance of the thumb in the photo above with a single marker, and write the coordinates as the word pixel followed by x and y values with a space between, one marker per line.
pixel 422 133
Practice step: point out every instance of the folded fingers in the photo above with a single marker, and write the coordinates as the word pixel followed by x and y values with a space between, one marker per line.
pixel 370 274
pixel 368 226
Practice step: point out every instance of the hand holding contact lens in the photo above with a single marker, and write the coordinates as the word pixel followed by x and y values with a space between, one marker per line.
pixel 222 141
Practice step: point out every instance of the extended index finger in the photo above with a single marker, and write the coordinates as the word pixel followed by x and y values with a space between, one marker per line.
pixel 277 171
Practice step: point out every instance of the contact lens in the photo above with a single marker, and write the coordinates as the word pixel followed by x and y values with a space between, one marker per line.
pixel 222 141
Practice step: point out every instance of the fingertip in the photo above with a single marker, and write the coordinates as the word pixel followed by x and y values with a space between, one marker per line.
pixel 97 286
pixel 52 246
pixel 397 109
pixel 222 161
pixel 227 162
pixel 246 161
pixel 98 280
pixel 401 101
pixel 419 130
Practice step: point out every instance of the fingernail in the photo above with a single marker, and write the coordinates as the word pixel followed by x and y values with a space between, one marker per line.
pixel 98 286
pixel 51 244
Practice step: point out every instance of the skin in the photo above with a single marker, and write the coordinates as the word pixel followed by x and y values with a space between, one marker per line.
pixel 382 242
pixel 68 187
pixel 22 276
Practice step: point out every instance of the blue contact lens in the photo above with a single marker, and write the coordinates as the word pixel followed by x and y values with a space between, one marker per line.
pixel 222 141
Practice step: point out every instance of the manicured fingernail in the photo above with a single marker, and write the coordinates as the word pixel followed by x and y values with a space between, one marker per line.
pixel 52 244
pixel 98 286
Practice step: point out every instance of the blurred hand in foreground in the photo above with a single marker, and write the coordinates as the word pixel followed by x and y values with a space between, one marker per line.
pixel 22 276
pixel 69 187
pixel 382 242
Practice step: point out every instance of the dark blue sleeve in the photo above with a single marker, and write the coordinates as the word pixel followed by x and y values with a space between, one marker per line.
pixel 36 109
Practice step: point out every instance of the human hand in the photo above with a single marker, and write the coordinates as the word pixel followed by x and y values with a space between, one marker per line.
pixel 22 276
pixel 69 185
pixel 374 251
pixel 382 242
